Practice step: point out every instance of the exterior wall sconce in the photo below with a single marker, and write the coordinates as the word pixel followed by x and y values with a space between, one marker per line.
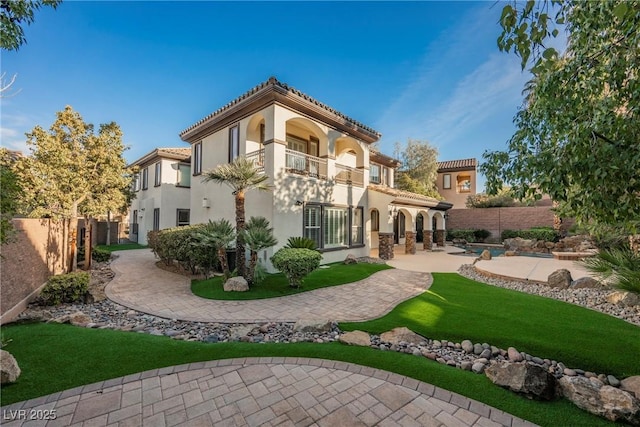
pixel 206 203
pixel 393 212
pixel 299 203
pixel 446 215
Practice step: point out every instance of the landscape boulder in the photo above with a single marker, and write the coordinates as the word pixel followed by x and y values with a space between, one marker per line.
pixel 632 385
pixel 609 402
pixel 236 284
pixel 585 282
pixel 485 255
pixel 398 335
pixel 530 380
pixel 312 326
pixel 623 298
pixel 560 279
pixel 351 259
pixel 355 338
pixel 76 319
pixel 9 369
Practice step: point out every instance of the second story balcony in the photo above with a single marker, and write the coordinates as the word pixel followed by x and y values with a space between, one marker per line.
pixel 306 164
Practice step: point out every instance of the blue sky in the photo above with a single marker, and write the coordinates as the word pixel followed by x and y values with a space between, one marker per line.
pixel 422 70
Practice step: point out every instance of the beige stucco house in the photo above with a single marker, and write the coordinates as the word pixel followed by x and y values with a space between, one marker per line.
pixel 457 181
pixel 162 192
pixel 327 184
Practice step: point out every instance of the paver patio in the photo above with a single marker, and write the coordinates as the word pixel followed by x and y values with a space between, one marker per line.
pixel 141 285
pixel 261 391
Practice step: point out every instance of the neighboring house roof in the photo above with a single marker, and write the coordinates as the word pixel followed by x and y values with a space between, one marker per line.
pixel 409 198
pixel 180 153
pixel 378 157
pixel 267 93
pixel 457 165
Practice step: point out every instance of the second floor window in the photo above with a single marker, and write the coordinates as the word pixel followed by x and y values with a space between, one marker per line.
pixel 184 175
pixel 446 181
pixel 158 175
pixel 136 182
pixel 385 176
pixel 234 143
pixel 374 174
pixel 145 178
pixel 197 158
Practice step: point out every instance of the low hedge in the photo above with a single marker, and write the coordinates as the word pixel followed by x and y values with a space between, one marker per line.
pixel 181 245
pixel 296 263
pixel 546 234
pixel 65 288
pixel 471 235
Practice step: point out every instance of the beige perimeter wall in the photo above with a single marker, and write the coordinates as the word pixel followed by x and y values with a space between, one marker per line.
pixel 497 220
pixel 34 253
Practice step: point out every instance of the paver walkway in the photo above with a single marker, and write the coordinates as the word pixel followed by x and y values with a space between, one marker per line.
pixel 259 391
pixel 141 285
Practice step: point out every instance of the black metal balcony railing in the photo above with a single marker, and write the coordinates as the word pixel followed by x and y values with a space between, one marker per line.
pixel 258 158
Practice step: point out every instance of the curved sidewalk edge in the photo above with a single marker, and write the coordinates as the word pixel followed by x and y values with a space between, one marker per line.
pixel 262 391
pixel 139 284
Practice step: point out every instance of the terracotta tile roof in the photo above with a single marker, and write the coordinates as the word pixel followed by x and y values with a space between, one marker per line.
pixel 458 164
pixel 376 156
pixel 174 152
pixel 402 193
pixel 170 153
pixel 272 81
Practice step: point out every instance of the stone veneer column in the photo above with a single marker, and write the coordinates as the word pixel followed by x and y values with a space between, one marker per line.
pixel 440 237
pixel 385 245
pixel 410 242
pixel 427 239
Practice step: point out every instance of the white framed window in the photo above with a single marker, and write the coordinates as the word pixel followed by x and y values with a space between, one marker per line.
pixel 197 158
pixel 158 174
pixel 374 173
pixel 136 182
pixel 182 217
pixel 385 176
pixel 145 178
pixel 446 181
pixel 234 142
pixel 184 175
pixel 312 223
pixel 335 227
pixel 356 226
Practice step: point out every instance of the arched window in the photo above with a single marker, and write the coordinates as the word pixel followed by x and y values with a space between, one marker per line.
pixel 375 220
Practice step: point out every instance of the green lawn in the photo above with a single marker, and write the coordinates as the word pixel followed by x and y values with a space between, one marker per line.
pixel 276 285
pixel 456 308
pixel 121 247
pixel 56 357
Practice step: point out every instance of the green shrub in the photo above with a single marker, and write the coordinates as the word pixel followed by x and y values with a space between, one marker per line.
pixel 100 255
pixel 181 245
pixel 152 241
pixel 300 243
pixel 471 235
pixel 65 288
pixel 546 234
pixel 620 267
pixel 482 200
pixel 296 263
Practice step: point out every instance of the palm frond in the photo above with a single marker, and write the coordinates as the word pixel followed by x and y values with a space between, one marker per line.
pixel 240 175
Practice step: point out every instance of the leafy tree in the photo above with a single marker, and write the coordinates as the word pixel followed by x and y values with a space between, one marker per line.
pixel 13 15
pixel 241 175
pixel 257 236
pixel 419 171
pixel 11 189
pixel 482 200
pixel 72 171
pixel 577 132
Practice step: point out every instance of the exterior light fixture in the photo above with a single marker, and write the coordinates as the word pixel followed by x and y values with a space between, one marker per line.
pixel 299 203
pixel 393 212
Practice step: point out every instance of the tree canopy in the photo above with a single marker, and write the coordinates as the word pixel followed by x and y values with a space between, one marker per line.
pixel 73 171
pixel 577 132
pixel 10 192
pixel 419 171
pixel 13 15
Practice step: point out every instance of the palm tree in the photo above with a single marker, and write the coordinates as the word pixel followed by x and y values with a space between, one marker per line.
pixel 258 236
pixel 218 234
pixel 241 175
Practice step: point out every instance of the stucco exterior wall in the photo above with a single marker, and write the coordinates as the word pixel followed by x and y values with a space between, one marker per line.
pixel 453 195
pixel 36 252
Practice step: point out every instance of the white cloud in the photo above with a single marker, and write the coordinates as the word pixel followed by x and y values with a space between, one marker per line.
pixel 12 132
